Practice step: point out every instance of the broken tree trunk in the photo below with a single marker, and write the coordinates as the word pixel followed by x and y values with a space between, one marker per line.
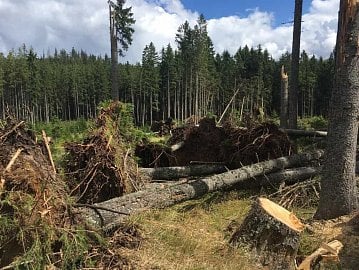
pixel 170 173
pixel 169 195
pixel 284 99
pixel 272 233
pixel 328 252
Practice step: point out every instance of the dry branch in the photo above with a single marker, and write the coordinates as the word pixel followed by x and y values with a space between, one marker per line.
pixel 170 195
pixel 46 141
pixel 308 133
pixel 12 160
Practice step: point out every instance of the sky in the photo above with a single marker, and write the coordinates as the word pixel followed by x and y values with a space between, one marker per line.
pixel 83 24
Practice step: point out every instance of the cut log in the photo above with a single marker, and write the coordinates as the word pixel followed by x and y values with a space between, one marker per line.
pixel 171 194
pixel 307 133
pixel 168 173
pixel 271 233
pixel 328 252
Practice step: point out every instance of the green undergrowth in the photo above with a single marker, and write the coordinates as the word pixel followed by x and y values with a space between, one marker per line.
pixel 31 240
pixel 313 123
pixel 61 132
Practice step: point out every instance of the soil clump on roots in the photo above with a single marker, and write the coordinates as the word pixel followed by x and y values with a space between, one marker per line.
pixel 102 166
pixel 235 147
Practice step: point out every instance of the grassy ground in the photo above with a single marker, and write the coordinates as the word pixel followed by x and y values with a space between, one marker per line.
pixel 192 235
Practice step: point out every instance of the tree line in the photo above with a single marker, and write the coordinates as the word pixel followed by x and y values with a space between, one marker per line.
pixel 191 79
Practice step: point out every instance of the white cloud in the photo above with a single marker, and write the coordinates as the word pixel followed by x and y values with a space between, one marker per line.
pixel 318 31
pixel 46 24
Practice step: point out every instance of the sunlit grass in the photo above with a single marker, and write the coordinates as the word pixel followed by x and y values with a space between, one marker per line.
pixel 192 235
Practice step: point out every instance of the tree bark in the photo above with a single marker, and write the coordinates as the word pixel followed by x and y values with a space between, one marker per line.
pixel 339 193
pixel 165 196
pixel 114 58
pixel 294 72
pixel 272 233
pixel 284 99
pixel 168 173
pixel 289 176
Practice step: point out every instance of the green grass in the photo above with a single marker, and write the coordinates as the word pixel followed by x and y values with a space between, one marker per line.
pixel 192 235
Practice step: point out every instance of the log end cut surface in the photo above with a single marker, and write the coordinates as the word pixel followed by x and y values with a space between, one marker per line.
pixel 281 214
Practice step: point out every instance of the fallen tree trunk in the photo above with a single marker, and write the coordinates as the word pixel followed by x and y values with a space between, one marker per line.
pixel 308 133
pixel 168 173
pixel 169 195
pixel 289 176
pixel 272 233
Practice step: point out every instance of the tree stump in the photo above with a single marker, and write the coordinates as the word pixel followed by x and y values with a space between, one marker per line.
pixel 272 233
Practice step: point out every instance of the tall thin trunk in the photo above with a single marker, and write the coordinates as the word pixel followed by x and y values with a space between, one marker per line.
pixel 284 99
pixel 196 112
pixel 114 58
pixel 168 95
pixel 339 193
pixel 294 75
pixel 47 109
pixel 151 107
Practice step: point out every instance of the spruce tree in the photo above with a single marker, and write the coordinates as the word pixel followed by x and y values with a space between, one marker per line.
pixel 121 31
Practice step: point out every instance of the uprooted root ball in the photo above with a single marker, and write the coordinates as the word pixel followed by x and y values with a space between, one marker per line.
pixel 102 167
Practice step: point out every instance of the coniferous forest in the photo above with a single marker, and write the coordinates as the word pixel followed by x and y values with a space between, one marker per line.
pixel 86 184
pixel 190 79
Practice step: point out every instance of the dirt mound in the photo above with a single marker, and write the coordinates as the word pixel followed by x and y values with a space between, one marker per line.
pixel 102 167
pixel 31 194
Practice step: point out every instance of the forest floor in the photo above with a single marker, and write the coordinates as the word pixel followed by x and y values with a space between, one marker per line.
pixel 194 235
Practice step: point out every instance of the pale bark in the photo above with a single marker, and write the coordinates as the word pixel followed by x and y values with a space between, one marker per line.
pixel 165 196
pixel 284 99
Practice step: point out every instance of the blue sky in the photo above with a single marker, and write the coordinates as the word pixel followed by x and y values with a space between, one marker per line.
pixel 83 24
pixel 281 9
